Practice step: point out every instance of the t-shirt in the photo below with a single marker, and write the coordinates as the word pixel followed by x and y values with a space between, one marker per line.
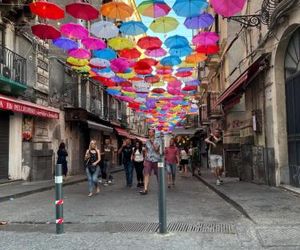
pixel 138 156
pixel 171 154
pixel 218 150
pixel 127 152
pixel 151 154
pixel 184 155
pixel 108 152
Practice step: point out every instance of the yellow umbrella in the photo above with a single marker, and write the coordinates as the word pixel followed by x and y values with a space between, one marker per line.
pixel 186 65
pixel 116 10
pixel 120 43
pixel 158 84
pixel 77 62
pixel 83 69
pixel 126 75
pixel 130 94
pixel 164 24
pixel 195 58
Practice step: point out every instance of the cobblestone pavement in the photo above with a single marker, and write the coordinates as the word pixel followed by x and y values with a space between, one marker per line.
pixel 120 218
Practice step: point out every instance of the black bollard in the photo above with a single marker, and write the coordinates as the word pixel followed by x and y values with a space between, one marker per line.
pixel 59 199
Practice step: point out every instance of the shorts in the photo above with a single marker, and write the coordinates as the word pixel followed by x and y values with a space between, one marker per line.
pixel 184 162
pixel 171 168
pixel 216 161
pixel 149 166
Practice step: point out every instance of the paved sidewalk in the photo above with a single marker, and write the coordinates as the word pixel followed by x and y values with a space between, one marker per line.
pixel 17 189
pixel 263 204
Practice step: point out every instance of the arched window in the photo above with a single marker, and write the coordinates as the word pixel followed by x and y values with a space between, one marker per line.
pixel 292 57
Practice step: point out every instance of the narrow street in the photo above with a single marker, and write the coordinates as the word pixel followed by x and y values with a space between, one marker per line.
pixel 120 218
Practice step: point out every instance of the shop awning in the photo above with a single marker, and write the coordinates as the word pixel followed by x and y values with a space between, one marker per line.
pixel 239 85
pixel 123 132
pixel 100 127
pixel 20 106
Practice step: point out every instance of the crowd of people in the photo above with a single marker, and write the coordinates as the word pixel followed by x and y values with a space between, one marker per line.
pixel 144 159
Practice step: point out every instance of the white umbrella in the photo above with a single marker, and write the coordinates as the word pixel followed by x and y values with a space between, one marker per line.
pixel 98 62
pixel 104 29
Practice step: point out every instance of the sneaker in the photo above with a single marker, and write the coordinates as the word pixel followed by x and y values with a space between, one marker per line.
pixel 100 181
pixel 218 183
pixel 105 184
pixel 143 192
pixel 109 182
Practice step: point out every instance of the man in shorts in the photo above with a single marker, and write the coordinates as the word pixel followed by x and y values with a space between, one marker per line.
pixel 152 157
pixel 216 154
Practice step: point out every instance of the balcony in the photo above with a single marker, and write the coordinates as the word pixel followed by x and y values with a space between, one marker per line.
pixel 213 110
pixel 192 121
pixel 13 70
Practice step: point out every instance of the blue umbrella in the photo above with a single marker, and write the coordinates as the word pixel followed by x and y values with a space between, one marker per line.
pixel 65 43
pixel 199 22
pixel 107 54
pixel 193 83
pixel 181 51
pixel 133 28
pixel 170 61
pixel 189 8
pixel 176 41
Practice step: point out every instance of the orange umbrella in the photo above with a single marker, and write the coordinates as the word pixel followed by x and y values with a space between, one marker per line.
pixel 116 10
pixel 195 58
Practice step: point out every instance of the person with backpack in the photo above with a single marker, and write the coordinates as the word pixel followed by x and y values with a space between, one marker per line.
pixel 91 162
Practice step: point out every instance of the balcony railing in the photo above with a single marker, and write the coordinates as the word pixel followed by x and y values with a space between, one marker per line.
pixel 12 66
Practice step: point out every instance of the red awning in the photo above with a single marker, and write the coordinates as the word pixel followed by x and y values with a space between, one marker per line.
pixel 123 132
pixel 239 85
pixel 20 106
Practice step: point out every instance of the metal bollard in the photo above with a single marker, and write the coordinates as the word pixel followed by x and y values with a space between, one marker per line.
pixel 162 199
pixel 59 199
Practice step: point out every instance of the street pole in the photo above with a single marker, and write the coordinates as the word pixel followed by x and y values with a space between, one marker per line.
pixel 59 199
pixel 162 193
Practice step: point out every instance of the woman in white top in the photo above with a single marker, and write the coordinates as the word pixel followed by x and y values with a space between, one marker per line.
pixel 184 160
pixel 138 154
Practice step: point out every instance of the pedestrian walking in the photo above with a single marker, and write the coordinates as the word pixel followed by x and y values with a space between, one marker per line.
pixel 152 157
pixel 216 154
pixel 92 158
pixel 126 151
pixel 195 161
pixel 172 161
pixel 137 157
pixel 108 156
pixel 184 160
pixel 62 158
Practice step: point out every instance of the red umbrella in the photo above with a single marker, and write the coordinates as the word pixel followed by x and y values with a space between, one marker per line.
pixel 130 53
pixel 45 31
pixel 189 88
pixel 142 68
pixel 83 11
pixel 152 79
pixel 208 49
pixel 149 42
pixel 184 74
pixel 158 91
pixel 47 10
pixel 104 81
pixel 125 84
pixel 134 105
pixel 149 61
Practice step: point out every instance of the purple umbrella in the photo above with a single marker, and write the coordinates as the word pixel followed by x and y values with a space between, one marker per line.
pixel 65 43
pixel 158 52
pixel 199 22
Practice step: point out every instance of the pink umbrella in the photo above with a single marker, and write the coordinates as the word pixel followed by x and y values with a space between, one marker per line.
pixel 157 52
pixel 93 43
pixel 74 30
pixel 126 98
pixel 227 8
pixel 80 53
pixel 205 38
pixel 119 65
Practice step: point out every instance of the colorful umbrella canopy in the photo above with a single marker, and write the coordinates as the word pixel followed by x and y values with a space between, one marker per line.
pixel 79 53
pixel 133 28
pixel 181 51
pixel 199 22
pixel 104 29
pixel 65 43
pixel 196 58
pixel 208 49
pixel 47 10
pixel 99 63
pixel 227 8
pixel 130 53
pixel 107 54
pixel 154 8
pixel 176 41
pixel 45 31
pixel 205 38
pixel 82 10
pixel 74 30
pixel 188 8
pixel 170 61
pixel 149 42
pixel 120 43
pixel 93 43
pixel 164 24
pixel 156 52
pixel 116 10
